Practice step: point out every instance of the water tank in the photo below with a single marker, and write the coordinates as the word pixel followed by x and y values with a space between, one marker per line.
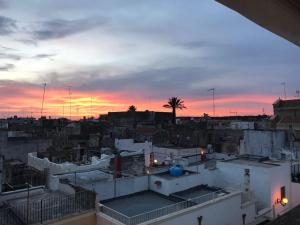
pixel 176 171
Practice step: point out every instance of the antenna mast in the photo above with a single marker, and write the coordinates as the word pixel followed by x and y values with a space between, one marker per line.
pixel 284 89
pixel 91 111
pixel 70 102
pixel 43 99
pixel 213 100
pixel 297 93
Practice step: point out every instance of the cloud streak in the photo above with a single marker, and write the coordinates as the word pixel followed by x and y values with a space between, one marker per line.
pixel 60 28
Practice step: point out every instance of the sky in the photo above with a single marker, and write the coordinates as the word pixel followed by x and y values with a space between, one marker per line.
pixel 105 55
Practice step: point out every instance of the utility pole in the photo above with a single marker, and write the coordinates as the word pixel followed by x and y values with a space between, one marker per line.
pixel 63 106
pixel 213 100
pixel 43 99
pixel 234 113
pixel 284 89
pixel 70 99
pixel 77 109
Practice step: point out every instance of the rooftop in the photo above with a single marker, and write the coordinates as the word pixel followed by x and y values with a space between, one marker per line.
pixel 138 203
pixel 199 191
pixel 256 161
pixel 166 175
pixel 290 218
pixel 145 206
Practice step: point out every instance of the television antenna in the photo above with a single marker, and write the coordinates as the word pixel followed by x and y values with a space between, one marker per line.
pixel 44 90
pixel 212 90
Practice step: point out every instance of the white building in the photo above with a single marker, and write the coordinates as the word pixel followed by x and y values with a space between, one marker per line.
pixel 263 143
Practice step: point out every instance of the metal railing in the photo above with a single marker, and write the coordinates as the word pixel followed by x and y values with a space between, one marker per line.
pixel 147 216
pixel 114 214
pixel 47 209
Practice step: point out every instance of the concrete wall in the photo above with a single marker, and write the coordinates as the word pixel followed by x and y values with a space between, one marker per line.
pixel 169 186
pixel 207 176
pixel 225 211
pixel 118 187
pixel 229 175
pixel 128 144
pixel 22 193
pixel 20 149
pixel 263 143
pixel 55 168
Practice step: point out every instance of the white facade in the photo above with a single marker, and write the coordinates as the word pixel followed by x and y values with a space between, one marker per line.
pixel 265 181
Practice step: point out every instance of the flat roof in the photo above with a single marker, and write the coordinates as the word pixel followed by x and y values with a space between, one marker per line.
pixel 139 203
pixel 263 164
pixel 198 192
pixel 37 196
pixel 166 175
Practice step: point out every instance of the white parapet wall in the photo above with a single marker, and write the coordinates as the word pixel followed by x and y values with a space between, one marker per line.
pixel 130 145
pixel 55 168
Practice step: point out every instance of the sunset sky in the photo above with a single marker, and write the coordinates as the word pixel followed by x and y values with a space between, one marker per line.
pixel 115 53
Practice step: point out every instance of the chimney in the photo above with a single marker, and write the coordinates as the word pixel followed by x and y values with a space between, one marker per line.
pixel 247 180
pixel 118 166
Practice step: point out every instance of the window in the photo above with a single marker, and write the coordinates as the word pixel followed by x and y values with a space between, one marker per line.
pixel 282 191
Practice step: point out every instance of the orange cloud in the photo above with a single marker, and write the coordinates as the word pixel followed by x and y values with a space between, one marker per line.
pixel 26 100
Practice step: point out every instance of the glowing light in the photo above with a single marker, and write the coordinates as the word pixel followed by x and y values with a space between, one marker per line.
pixel 284 201
pixel 155 161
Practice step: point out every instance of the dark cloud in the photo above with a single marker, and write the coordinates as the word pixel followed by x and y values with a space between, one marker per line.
pixel 7 67
pixel 3 4
pixel 10 56
pixel 192 82
pixel 7 25
pixel 44 56
pixel 59 28
pixel 7 48
pixel 28 42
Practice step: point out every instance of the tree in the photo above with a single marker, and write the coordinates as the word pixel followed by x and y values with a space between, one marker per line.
pixel 174 103
pixel 131 108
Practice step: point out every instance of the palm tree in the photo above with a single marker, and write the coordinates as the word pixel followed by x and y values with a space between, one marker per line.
pixel 174 103
pixel 131 108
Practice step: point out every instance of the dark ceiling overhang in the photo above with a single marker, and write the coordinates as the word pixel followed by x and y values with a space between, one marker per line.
pixel 281 17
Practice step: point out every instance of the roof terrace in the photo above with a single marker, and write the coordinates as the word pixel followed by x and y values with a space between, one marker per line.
pixel 148 205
